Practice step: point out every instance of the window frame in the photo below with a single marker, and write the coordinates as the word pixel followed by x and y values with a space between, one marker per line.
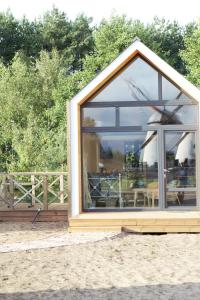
pixel 118 128
pixel 160 75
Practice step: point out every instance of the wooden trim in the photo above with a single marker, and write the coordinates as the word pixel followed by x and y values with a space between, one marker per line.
pixel 97 89
pixel 68 158
pixel 137 222
pixel 198 161
pixel 33 173
pixel 80 161
pixel 164 75
pixel 45 194
pixel 109 77
pixel 29 215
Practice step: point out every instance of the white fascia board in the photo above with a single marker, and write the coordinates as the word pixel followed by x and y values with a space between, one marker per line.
pixel 105 73
pixel 74 154
pixel 159 63
pixel 170 72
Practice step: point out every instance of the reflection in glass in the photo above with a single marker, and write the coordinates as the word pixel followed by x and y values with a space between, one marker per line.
pixel 98 117
pixel 171 92
pixel 162 115
pixel 138 81
pixel 180 159
pixel 181 198
pixel 120 170
pixel 180 168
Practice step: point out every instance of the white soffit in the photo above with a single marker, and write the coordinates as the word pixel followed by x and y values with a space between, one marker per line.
pixel 153 58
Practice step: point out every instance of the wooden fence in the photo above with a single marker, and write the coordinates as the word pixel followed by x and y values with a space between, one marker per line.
pixel 33 190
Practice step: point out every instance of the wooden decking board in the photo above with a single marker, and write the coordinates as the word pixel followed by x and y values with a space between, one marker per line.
pixel 136 229
pixel 163 229
pixel 136 222
pixel 28 216
pixel 95 229
pixel 31 219
pixel 33 212
pixel 102 222
pixel 25 206
pixel 170 221
pixel 192 221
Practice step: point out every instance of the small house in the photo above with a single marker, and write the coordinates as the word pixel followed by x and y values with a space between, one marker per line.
pixel 134 159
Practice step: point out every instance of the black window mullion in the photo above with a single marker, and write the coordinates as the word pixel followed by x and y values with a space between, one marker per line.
pixel 159 86
pixel 141 103
pixel 117 117
pixel 113 129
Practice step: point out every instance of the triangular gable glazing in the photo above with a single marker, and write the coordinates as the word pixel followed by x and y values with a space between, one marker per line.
pixel 139 81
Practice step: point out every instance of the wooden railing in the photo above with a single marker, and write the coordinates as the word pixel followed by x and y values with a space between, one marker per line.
pixel 33 189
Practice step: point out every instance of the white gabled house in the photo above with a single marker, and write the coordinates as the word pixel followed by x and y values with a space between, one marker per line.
pixel 134 134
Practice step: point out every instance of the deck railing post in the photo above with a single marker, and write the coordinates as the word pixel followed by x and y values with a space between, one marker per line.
pixel 33 189
pixel 61 188
pixel 120 191
pixel 11 189
pixel 45 195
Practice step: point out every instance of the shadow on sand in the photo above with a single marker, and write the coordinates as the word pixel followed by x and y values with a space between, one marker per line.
pixel 185 291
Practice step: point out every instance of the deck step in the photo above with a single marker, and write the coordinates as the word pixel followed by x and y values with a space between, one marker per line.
pixel 135 222
pixel 136 229
pixel 161 229
pixel 72 229
pixel 173 223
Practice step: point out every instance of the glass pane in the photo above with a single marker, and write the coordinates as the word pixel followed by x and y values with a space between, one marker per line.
pixel 98 117
pixel 152 115
pixel 135 116
pixel 180 159
pixel 120 170
pixel 183 198
pixel 171 92
pixel 183 114
pixel 138 81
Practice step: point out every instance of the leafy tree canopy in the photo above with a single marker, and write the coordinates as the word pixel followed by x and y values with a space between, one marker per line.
pixel 44 63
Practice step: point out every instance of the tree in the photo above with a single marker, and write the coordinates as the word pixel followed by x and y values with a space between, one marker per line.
pixel 33 115
pixel 191 56
pixel 82 41
pixel 46 62
pixel 73 39
pixel 18 35
pixel 9 36
pixel 114 35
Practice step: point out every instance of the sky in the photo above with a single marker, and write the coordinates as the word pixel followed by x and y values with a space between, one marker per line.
pixel 181 10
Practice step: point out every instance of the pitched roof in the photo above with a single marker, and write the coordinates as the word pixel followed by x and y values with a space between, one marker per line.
pixel 137 47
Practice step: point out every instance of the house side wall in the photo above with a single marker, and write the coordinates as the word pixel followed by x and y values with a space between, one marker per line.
pixel 75 171
pixel 198 161
pixel 68 158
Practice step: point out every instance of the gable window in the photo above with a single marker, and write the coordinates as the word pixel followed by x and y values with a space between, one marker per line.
pixel 139 81
pixel 136 130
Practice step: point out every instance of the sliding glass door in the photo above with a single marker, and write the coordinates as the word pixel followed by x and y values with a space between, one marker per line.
pixel 180 168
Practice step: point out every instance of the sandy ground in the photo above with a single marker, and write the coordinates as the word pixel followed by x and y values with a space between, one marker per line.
pixel 125 266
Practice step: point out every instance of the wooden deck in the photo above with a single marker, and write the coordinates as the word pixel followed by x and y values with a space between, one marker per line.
pixel 26 206
pixel 22 194
pixel 144 222
pixel 29 215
